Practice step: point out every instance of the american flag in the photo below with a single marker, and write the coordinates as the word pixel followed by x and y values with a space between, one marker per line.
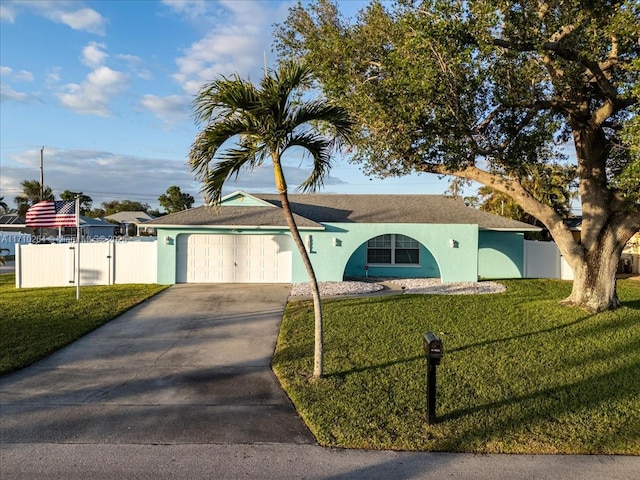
pixel 50 213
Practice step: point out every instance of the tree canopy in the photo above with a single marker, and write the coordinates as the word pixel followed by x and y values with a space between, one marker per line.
pixel 85 200
pixel 484 90
pixel 115 206
pixel 174 200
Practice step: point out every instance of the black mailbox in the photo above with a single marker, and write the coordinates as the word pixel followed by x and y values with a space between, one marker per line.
pixel 433 348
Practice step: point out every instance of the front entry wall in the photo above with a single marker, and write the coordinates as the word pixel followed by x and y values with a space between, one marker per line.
pixel 454 249
pixel 356 266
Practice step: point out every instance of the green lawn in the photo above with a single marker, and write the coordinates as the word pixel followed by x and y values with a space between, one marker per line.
pixel 521 374
pixel 36 322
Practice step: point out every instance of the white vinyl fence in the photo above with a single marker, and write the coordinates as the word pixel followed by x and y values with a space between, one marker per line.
pixel 101 263
pixel 543 260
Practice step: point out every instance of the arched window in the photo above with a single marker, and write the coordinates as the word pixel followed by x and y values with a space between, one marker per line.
pixel 393 249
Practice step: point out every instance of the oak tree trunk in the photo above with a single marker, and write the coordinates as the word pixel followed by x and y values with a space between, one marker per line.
pixel 594 284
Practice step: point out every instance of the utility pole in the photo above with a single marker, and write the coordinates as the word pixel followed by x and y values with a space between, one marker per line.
pixel 42 174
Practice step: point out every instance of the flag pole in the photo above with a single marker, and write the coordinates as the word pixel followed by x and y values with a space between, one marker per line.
pixel 78 247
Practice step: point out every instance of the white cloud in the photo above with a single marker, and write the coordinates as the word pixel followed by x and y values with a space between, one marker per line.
pixel 21 76
pixel 7 93
pixel 53 77
pixel 94 55
pixel 132 59
pixel 92 96
pixel 104 176
pixel 66 12
pixel 235 45
pixel 7 13
pixel 84 19
pixel 191 9
pixel 170 109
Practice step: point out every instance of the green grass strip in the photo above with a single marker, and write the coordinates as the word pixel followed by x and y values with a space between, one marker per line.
pixel 521 373
pixel 35 322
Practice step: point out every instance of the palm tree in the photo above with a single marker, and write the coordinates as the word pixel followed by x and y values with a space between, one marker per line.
pixel 31 195
pixel 265 121
pixel 4 208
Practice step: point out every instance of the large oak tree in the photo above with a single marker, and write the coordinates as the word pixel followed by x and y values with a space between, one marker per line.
pixel 484 89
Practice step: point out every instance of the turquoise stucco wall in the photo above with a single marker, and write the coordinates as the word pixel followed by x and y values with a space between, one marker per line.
pixel 330 258
pixel 340 250
pixel 500 254
pixel 428 267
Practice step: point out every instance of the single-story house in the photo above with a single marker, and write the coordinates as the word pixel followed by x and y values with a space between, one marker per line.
pixel 246 240
pixel 126 219
pixel 91 229
pixel 11 222
pixel 12 230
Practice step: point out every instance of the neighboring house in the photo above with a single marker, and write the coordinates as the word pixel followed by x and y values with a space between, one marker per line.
pixel 246 240
pixel 13 230
pixel 126 219
pixel 91 229
pixel 11 222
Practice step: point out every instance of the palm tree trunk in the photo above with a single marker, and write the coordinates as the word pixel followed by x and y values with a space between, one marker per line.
pixel 318 351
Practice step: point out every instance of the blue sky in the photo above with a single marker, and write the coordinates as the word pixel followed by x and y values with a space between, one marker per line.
pixel 106 88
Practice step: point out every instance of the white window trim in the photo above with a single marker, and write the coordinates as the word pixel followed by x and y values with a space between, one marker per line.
pixel 393 254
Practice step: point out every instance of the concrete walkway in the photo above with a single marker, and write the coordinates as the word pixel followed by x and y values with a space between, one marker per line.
pixel 180 387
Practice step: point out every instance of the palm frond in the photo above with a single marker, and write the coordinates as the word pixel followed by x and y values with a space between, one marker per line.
pixel 319 148
pixel 224 97
pixel 230 163
pixel 211 139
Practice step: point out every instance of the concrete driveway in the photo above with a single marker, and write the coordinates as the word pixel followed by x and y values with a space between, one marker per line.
pixel 191 365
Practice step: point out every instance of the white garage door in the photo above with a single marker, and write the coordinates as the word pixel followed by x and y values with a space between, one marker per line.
pixel 234 259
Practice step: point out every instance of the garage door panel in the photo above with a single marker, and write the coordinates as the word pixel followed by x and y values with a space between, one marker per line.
pixel 205 258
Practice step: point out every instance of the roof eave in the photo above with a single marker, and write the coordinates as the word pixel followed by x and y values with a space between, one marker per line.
pixel 508 229
pixel 236 227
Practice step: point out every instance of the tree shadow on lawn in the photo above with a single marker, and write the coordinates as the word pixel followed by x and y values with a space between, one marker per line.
pixel 485 343
pixel 545 409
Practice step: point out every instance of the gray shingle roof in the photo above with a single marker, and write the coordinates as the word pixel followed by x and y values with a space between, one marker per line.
pixel 231 217
pixel 312 209
pixel 130 217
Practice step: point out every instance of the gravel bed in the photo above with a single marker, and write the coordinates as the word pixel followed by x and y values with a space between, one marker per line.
pixel 411 285
pixel 433 286
pixel 336 288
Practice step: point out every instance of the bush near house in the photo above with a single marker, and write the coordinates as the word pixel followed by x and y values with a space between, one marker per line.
pixel 520 374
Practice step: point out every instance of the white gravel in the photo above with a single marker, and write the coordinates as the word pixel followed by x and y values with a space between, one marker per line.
pixel 409 285
pixel 336 288
pixel 434 286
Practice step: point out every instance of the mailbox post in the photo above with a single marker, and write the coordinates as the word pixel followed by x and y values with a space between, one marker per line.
pixel 433 349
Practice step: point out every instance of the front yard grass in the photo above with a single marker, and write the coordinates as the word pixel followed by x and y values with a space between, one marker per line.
pixel 36 322
pixel 521 374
